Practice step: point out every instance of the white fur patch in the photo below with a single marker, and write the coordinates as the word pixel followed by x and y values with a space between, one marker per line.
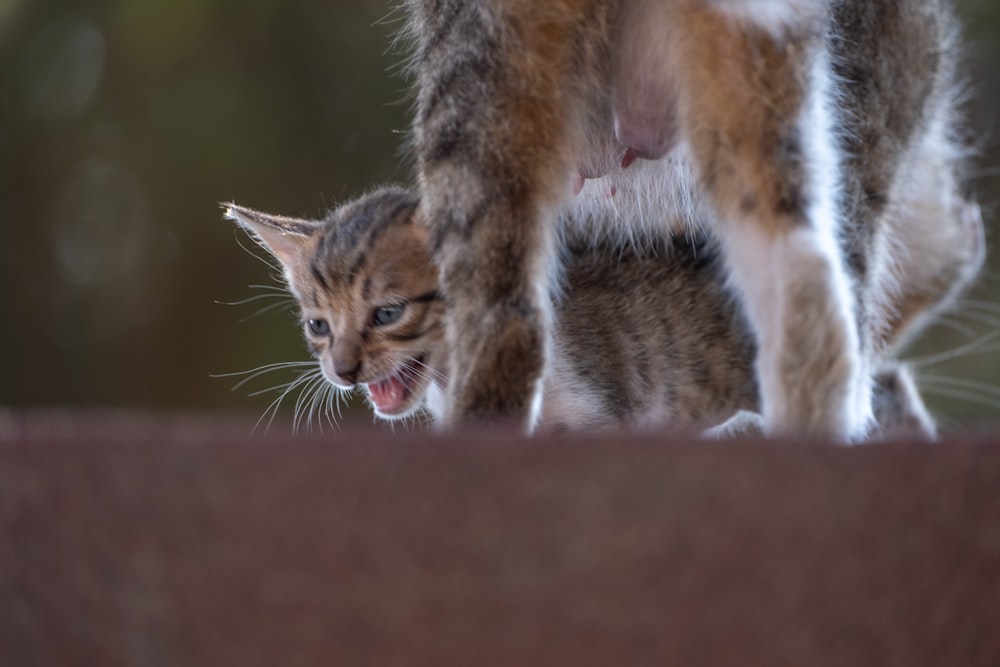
pixel 436 401
pixel 771 15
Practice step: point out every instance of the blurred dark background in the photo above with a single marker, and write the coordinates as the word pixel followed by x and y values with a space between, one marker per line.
pixel 123 123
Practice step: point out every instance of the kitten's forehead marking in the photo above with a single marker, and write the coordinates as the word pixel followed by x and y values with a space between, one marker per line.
pixel 352 238
pixel 317 274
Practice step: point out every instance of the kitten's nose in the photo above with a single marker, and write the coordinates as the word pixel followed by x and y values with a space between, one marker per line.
pixel 347 371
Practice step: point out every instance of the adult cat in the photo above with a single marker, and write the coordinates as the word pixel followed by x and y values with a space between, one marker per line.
pixel 794 126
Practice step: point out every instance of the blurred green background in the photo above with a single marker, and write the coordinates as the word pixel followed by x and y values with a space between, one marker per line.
pixel 123 123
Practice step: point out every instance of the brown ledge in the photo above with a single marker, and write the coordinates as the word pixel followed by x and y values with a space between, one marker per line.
pixel 137 540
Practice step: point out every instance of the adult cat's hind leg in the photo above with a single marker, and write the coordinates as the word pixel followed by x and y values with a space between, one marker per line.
pixel 755 108
pixel 491 140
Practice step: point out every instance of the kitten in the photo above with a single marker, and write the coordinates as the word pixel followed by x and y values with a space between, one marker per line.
pixel 674 353
pixel 792 129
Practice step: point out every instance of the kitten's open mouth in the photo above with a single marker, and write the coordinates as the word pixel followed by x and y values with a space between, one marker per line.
pixel 392 395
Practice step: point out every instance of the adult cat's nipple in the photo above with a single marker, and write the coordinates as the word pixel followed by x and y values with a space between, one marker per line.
pixel 630 155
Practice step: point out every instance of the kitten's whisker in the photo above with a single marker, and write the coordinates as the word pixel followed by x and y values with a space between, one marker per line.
pixel 261 370
pixel 298 383
pixel 433 372
pixel 316 410
pixel 330 395
pixel 305 381
pixel 287 305
pixel 416 370
pixel 308 389
pixel 258 392
pixel 261 418
pixel 265 368
pixel 319 408
pixel 297 409
pixel 256 297
pixel 316 396
pixel 333 404
pixel 301 416
pixel 276 403
pixel 273 409
pixel 420 373
pixel 322 406
pixel 268 390
pixel 273 288
pixel 299 380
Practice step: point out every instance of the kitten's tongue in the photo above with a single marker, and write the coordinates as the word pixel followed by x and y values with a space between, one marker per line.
pixel 387 395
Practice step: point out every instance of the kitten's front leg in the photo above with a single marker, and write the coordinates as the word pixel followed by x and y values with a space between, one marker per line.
pixel 755 107
pixel 491 143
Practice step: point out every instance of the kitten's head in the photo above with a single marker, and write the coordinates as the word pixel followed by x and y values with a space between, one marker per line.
pixel 368 294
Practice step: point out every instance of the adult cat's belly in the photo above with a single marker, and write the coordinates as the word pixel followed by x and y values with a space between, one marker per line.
pixel 648 198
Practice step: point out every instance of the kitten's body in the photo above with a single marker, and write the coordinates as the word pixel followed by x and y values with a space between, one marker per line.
pixel 646 339
pixel 639 342
pixel 643 338
pixel 792 128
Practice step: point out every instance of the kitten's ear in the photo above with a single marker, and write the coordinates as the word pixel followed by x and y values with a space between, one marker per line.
pixel 283 237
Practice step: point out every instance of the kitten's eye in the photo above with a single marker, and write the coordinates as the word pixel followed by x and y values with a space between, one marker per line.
pixel 319 327
pixel 387 315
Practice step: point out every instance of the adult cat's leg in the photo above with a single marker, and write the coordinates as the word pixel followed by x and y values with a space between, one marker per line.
pixel 756 108
pixel 898 408
pixel 490 135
